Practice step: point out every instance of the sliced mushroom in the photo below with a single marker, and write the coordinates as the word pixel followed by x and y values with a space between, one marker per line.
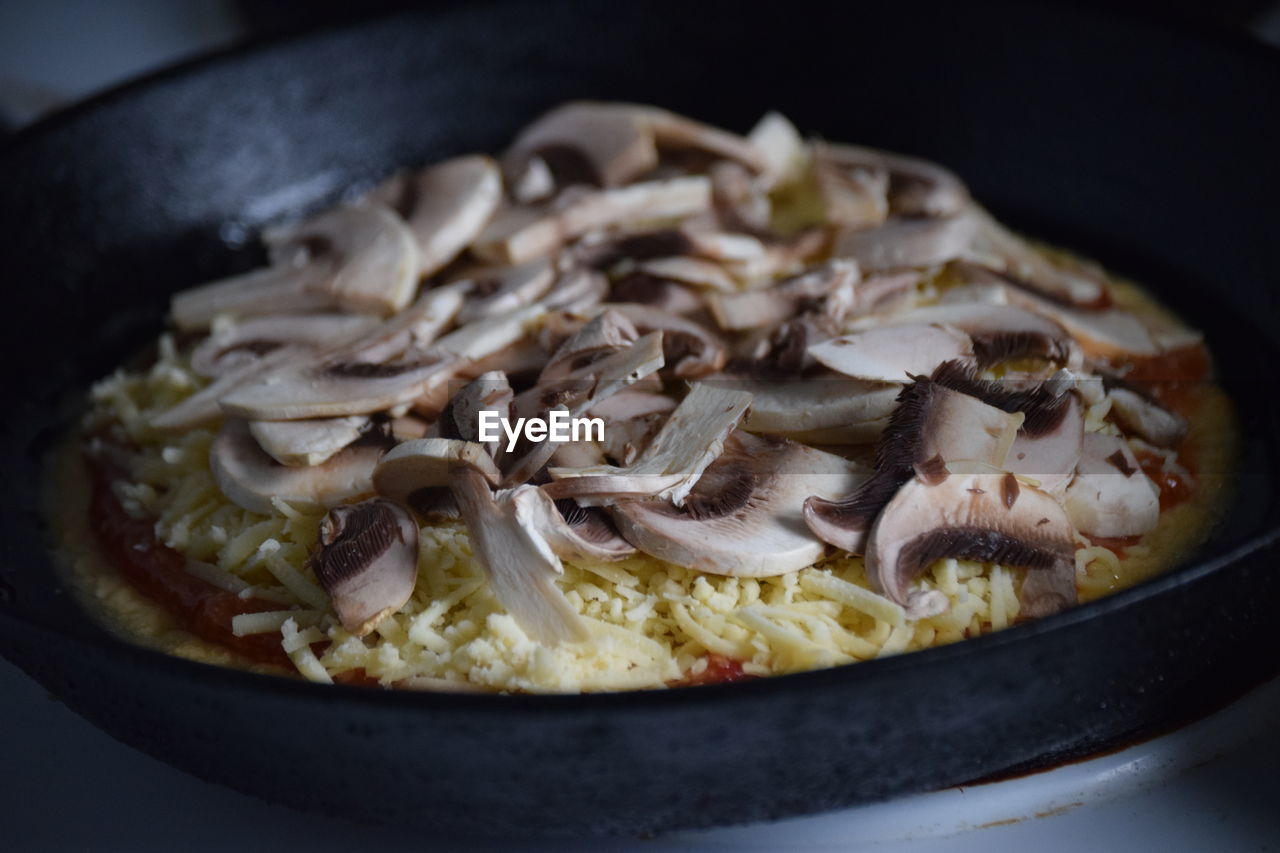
pixel 908 242
pixel 739 199
pixel 307 442
pixel 251 479
pixel 893 353
pixel 998 332
pixel 1111 497
pixel 690 349
pixel 446 206
pixel 605 334
pixel 932 425
pixel 781 149
pixel 987 517
pixel 656 292
pixel 1048 443
pixel 692 437
pixel 916 187
pixel 360 259
pixel 507 289
pixel 336 388
pixel 425 463
pixel 695 271
pixel 743 517
pixel 768 306
pixel 632 418
pixel 227 347
pixel 520 234
pixel 1145 418
pixel 837 410
pixel 1071 285
pixel 519 563
pixel 853 198
pixel 487 392
pixel 203 406
pixel 582 534
pixel 367 562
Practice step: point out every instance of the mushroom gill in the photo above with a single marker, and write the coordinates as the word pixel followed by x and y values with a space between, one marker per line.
pixel 986 517
pixel 367 561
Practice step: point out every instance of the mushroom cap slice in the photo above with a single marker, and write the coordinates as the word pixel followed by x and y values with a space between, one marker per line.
pixel 1145 418
pixel 854 198
pixel 821 403
pixel 367 262
pixel 447 206
pixel 932 425
pixel 908 242
pixel 227 346
pixel 335 388
pixel 893 353
pixel 250 478
pixel 998 332
pixel 1111 496
pixel 489 391
pixel 768 306
pixel 507 289
pixel 204 405
pixel 989 517
pixel 1074 284
pixel 573 532
pixel 307 442
pixel 692 437
pixel 781 148
pixel 425 463
pixel 743 516
pixel 917 187
pixel 1049 449
pixel 519 563
pixel 367 562
pixel 689 349
pixel 594 142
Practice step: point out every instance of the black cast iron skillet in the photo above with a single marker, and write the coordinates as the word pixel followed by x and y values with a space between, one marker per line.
pixel 1152 149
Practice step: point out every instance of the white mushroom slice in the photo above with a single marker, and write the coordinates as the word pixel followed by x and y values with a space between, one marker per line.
pixel 740 200
pixel 998 332
pixel 334 388
pixel 1106 333
pixel 1111 497
pixel 505 290
pixel 425 463
pixel 489 391
pixel 583 534
pixel 1077 285
pixel 986 517
pixel 251 479
pixel 578 392
pixel 780 147
pixel 691 350
pixel 589 141
pixel 227 346
pixel 769 306
pixel 414 328
pixel 577 292
pixel 520 234
pixel 692 437
pixel 743 517
pixel 1047 449
pixel 367 562
pixel 484 337
pixel 917 187
pixel 694 271
pixel 532 181
pixel 893 354
pixel 631 419
pixel 447 206
pixel 307 442
pixel 367 263
pixel 606 333
pixel 884 292
pixel 1146 419
pixel 931 426
pixel 853 198
pixel 519 563
pixel 204 405
pixel 908 242
pixel 786 408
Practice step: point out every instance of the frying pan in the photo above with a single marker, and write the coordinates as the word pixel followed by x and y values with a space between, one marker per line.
pixel 1152 149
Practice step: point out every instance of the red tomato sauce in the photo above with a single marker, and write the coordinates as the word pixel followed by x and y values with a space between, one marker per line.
pixel 720 670
pixel 1174 487
pixel 158 572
